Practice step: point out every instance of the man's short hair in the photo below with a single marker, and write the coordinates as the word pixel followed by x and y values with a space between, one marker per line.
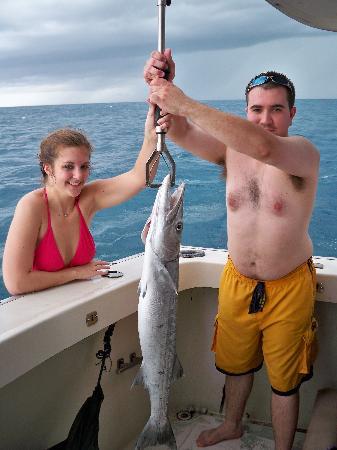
pixel 271 79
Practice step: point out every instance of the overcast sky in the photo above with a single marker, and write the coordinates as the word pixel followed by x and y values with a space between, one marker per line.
pixel 83 51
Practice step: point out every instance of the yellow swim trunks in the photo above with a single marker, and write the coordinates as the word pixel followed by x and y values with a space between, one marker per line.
pixel 269 321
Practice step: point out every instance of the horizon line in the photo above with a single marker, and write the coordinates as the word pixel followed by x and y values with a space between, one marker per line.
pixel 140 101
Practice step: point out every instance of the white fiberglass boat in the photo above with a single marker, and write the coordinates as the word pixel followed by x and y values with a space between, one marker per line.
pixel 48 343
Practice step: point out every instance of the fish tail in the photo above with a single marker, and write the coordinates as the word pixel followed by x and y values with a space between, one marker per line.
pixel 156 433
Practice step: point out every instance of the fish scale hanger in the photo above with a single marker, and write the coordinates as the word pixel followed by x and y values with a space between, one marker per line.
pixel 161 149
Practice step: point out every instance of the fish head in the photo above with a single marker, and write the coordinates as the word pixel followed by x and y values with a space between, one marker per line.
pixel 164 229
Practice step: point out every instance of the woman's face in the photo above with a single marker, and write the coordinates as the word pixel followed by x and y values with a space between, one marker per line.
pixel 70 170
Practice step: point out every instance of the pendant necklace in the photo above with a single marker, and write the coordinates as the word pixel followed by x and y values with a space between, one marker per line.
pixel 66 214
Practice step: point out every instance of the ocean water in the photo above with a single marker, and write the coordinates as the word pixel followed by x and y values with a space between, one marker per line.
pixel 116 130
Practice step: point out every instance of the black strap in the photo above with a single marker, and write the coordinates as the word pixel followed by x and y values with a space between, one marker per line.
pixel 258 298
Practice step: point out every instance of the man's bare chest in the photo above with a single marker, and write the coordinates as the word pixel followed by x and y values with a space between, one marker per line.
pixel 261 188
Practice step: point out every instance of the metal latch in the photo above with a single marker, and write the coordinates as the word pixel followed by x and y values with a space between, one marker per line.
pixel 91 318
pixel 134 360
pixel 319 288
pixel 191 253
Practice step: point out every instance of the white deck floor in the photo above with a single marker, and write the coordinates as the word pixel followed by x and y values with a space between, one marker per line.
pixel 255 437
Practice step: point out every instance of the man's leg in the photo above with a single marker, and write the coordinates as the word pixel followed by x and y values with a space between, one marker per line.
pixel 284 416
pixel 237 392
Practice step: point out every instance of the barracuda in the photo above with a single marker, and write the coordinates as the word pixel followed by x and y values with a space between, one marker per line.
pixel 157 312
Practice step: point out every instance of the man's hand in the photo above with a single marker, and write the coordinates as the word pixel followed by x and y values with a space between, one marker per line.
pixel 156 65
pixel 168 97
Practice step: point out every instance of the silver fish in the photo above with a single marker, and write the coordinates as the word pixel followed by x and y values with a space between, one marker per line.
pixel 157 312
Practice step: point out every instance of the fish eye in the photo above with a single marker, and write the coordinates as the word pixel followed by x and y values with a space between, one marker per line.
pixel 179 226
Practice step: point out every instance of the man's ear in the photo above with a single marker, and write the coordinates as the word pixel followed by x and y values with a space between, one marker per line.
pixel 292 112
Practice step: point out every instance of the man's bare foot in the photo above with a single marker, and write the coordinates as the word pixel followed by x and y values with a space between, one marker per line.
pixel 223 432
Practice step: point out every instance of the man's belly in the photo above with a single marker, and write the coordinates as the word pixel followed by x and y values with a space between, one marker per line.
pixel 267 252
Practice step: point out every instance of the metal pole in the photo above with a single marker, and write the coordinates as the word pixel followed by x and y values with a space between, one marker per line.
pixel 161 25
pixel 161 47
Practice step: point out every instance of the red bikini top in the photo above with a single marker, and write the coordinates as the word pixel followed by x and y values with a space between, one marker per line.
pixel 47 255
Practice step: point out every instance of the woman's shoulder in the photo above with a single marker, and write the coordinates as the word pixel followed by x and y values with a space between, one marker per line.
pixel 33 200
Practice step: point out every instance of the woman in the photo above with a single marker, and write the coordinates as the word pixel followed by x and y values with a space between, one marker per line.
pixel 48 242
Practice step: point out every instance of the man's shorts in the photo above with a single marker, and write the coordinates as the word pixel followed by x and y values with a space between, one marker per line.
pixel 282 334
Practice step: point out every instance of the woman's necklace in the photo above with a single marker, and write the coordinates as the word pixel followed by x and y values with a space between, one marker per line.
pixel 66 213
pixel 62 213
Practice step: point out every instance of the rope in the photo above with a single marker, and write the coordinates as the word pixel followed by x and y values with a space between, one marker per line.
pixel 104 354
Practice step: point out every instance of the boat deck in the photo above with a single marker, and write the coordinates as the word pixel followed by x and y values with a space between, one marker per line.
pixel 255 437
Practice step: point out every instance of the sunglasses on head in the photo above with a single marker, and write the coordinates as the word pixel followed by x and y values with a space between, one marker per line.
pixel 260 80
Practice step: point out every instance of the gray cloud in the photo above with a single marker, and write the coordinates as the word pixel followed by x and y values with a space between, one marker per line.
pixel 93 45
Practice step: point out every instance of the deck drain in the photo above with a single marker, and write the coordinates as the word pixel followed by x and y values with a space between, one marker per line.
pixel 184 415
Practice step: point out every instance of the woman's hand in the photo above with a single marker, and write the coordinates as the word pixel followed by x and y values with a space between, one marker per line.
pixel 95 268
pixel 165 122
pixel 150 130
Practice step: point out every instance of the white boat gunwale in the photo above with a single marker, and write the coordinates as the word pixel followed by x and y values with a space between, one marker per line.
pixel 37 326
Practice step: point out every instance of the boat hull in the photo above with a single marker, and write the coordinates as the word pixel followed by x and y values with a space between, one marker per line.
pixel 38 406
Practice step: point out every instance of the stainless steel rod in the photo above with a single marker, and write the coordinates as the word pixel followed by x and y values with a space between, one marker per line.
pixel 161 26
pixel 161 48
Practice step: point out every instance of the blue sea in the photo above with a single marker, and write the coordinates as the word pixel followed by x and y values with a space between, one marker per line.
pixel 116 130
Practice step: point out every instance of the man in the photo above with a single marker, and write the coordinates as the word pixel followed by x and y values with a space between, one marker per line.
pixel 266 295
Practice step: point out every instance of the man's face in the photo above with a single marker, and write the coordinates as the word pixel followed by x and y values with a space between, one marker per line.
pixel 269 108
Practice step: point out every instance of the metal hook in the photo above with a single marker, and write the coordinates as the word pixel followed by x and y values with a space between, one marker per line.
pixel 152 161
pixel 161 149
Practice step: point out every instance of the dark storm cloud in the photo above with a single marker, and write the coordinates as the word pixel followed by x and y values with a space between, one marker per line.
pixel 94 50
pixel 57 39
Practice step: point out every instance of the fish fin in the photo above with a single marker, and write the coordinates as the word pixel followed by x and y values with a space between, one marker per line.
pixel 142 289
pixel 146 229
pixel 139 378
pixel 177 371
pixel 165 275
pixel 155 433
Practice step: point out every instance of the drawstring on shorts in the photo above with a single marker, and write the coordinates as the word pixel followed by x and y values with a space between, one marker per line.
pixel 258 298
